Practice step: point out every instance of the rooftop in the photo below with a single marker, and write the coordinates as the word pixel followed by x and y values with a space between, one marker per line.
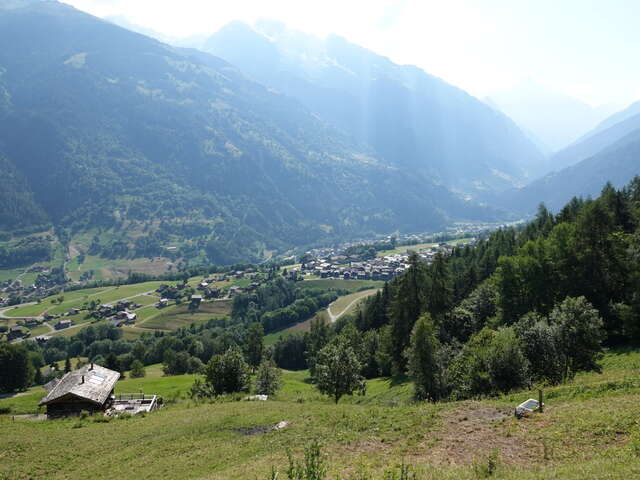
pixel 91 382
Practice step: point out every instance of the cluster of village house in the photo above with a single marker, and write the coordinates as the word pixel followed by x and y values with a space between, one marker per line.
pixel 42 287
pixel 15 288
pixel 382 268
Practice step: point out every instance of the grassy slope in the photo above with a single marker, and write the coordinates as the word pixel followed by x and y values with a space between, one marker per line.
pixel 590 429
pixel 420 246
pixel 349 285
pixel 75 299
pixel 174 317
pixel 346 304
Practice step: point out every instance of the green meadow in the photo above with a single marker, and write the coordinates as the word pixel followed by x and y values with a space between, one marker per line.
pixel 589 430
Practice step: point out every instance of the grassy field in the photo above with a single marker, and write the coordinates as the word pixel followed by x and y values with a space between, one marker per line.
pixel 107 269
pixel 174 317
pixel 589 430
pixel 420 246
pixel 341 306
pixel 349 303
pixel 71 299
pixel 338 284
pixel 76 298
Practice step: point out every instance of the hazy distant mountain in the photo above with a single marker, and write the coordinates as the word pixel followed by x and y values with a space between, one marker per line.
pixel 596 141
pixel 106 130
pixel 410 118
pixel 631 111
pixel 555 119
pixel 617 163
pixel 124 22
pixel 193 41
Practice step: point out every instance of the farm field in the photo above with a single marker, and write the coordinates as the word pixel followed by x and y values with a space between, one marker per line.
pixel 75 299
pixel 109 269
pixel 588 431
pixel 174 317
pixel 348 303
pixel 420 246
pixel 342 306
pixel 339 284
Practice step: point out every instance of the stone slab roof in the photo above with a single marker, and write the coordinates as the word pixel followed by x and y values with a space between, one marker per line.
pixel 92 383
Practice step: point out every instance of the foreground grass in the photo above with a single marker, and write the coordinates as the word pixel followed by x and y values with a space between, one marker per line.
pixel 590 430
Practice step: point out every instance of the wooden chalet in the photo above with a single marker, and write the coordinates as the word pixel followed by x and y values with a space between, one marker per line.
pixel 89 388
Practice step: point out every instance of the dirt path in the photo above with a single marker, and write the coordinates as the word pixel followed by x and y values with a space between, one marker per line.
pixel 473 431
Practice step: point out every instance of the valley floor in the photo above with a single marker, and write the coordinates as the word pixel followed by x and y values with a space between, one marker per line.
pixel 590 429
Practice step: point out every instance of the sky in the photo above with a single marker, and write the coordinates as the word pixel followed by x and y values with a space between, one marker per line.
pixel 587 49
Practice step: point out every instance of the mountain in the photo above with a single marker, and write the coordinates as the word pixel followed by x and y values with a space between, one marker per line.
pixel 596 141
pixel 554 118
pixel 113 134
pixel 410 118
pixel 617 163
pixel 618 117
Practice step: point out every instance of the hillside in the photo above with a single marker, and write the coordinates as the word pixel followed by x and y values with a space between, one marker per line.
pixel 118 136
pixel 575 438
pixel 618 163
pixel 410 118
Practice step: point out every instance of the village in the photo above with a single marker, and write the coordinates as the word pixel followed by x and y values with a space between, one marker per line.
pixel 338 264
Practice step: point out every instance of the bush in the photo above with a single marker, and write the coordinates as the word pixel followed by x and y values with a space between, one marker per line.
pixel 268 379
pixel 137 369
pixel 16 367
pixel 227 373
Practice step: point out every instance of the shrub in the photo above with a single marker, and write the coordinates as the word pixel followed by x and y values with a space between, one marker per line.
pixel 268 379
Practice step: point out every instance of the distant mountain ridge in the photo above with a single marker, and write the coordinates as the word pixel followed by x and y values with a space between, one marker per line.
pixel 617 163
pixel 555 119
pixel 410 118
pixel 596 141
pixel 108 131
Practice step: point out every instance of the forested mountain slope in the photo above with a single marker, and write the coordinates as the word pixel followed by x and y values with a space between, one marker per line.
pixel 103 127
pixel 409 117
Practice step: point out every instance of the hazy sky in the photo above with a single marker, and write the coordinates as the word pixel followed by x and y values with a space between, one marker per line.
pixel 588 49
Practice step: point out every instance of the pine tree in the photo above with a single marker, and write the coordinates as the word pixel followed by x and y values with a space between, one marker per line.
pixel 254 345
pixel 406 306
pixel 422 360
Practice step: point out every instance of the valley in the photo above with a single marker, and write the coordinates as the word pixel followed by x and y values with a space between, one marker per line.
pixel 317 240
